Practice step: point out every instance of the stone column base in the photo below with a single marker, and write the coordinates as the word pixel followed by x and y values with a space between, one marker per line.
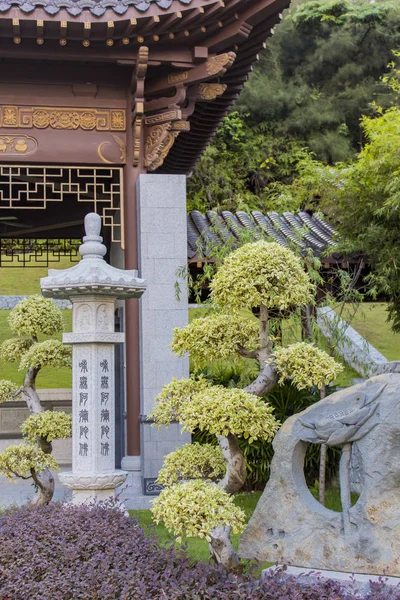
pixel 132 493
pixel 88 487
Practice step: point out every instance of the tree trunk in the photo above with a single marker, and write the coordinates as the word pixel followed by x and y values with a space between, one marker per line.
pixel 235 475
pixel 29 393
pixel 268 377
pixel 345 486
pixel 44 482
pixel 265 382
pixel 306 323
pixel 322 474
pixel 322 461
pixel 221 548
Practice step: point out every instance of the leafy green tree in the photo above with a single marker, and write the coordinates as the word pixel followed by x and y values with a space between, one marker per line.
pixel 319 74
pixel 238 169
pixel 269 279
pixel 32 459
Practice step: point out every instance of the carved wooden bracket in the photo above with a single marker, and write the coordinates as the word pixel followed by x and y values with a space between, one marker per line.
pixel 138 99
pixel 165 117
pixel 161 132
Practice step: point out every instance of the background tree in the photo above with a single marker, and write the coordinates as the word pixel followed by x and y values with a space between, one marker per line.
pixel 270 280
pixel 318 75
pixel 32 459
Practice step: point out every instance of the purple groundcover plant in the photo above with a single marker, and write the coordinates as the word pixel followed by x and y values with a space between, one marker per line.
pixel 61 552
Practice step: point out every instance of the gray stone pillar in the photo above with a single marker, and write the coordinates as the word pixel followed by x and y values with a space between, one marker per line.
pixel 93 287
pixel 162 250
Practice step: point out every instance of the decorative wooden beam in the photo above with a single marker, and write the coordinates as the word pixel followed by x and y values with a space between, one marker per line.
pixel 168 101
pixel 168 22
pixel 16 31
pixel 137 87
pixel 63 33
pixel 215 66
pixel 210 91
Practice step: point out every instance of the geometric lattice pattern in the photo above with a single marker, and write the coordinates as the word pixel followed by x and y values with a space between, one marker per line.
pixel 33 187
pixel 22 252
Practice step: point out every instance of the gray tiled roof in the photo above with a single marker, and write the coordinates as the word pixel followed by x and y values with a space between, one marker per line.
pixel 75 7
pixel 300 229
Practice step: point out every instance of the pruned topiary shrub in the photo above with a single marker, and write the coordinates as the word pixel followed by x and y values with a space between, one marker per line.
pixel 64 552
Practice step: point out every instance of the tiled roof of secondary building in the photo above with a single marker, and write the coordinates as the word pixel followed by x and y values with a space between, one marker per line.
pixel 302 230
pixel 97 7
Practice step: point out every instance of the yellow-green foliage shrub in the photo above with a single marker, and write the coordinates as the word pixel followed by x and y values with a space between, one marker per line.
pixel 223 411
pixel 50 353
pixel 20 460
pixel 49 424
pixel 192 461
pixel 195 507
pixel 215 337
pixel 35 315
pixel 169 401
pixel 7 389
pixel 306 365
pixel 261 273
pixel 13 349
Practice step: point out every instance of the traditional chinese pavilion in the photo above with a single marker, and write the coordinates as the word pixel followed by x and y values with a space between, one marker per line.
pixel 106 105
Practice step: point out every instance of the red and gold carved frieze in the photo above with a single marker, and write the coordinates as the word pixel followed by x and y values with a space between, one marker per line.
pixel 17 145
pixel 43 117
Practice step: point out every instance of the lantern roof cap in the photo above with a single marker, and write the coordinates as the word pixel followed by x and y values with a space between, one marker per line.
pixel 92 275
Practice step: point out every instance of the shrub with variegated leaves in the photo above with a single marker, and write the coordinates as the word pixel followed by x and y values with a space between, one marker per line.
pixel 20 460
pixel 229 411
pixel 169 401
pixel 202 507
pixel 7 389
pixel 261 273
pixel 49 424
pixel 305 365
pixel 12 350
pixel 214 337
pixel 35 315
pixel 50 353
pixel 192 461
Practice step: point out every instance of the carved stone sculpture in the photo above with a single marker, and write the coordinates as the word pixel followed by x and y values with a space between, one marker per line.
pixel 93 286
pixel 290 527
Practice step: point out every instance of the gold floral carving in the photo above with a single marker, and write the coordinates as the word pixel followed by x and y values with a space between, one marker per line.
pixel 163 117
pixel 178 77
pixel 17 145
pixel 217 65
pixel 122 149
pixel 180 126
pixel 42 117
pixel 209 91
pixel 159 141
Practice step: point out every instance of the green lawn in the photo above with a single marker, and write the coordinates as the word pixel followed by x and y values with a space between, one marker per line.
pixel 48 377
pixel 371 322
pixel 197 548
pixel 23 281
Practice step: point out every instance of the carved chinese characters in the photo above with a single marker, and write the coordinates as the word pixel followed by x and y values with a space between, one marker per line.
pixel 93 386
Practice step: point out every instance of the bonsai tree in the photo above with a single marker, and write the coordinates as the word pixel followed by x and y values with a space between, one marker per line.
pixel 32 459
pixel 268 280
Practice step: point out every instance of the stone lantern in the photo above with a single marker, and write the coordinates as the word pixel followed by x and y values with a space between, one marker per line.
pixel 93 286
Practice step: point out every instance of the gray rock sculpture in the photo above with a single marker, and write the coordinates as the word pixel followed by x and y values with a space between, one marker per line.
pixel 290 527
